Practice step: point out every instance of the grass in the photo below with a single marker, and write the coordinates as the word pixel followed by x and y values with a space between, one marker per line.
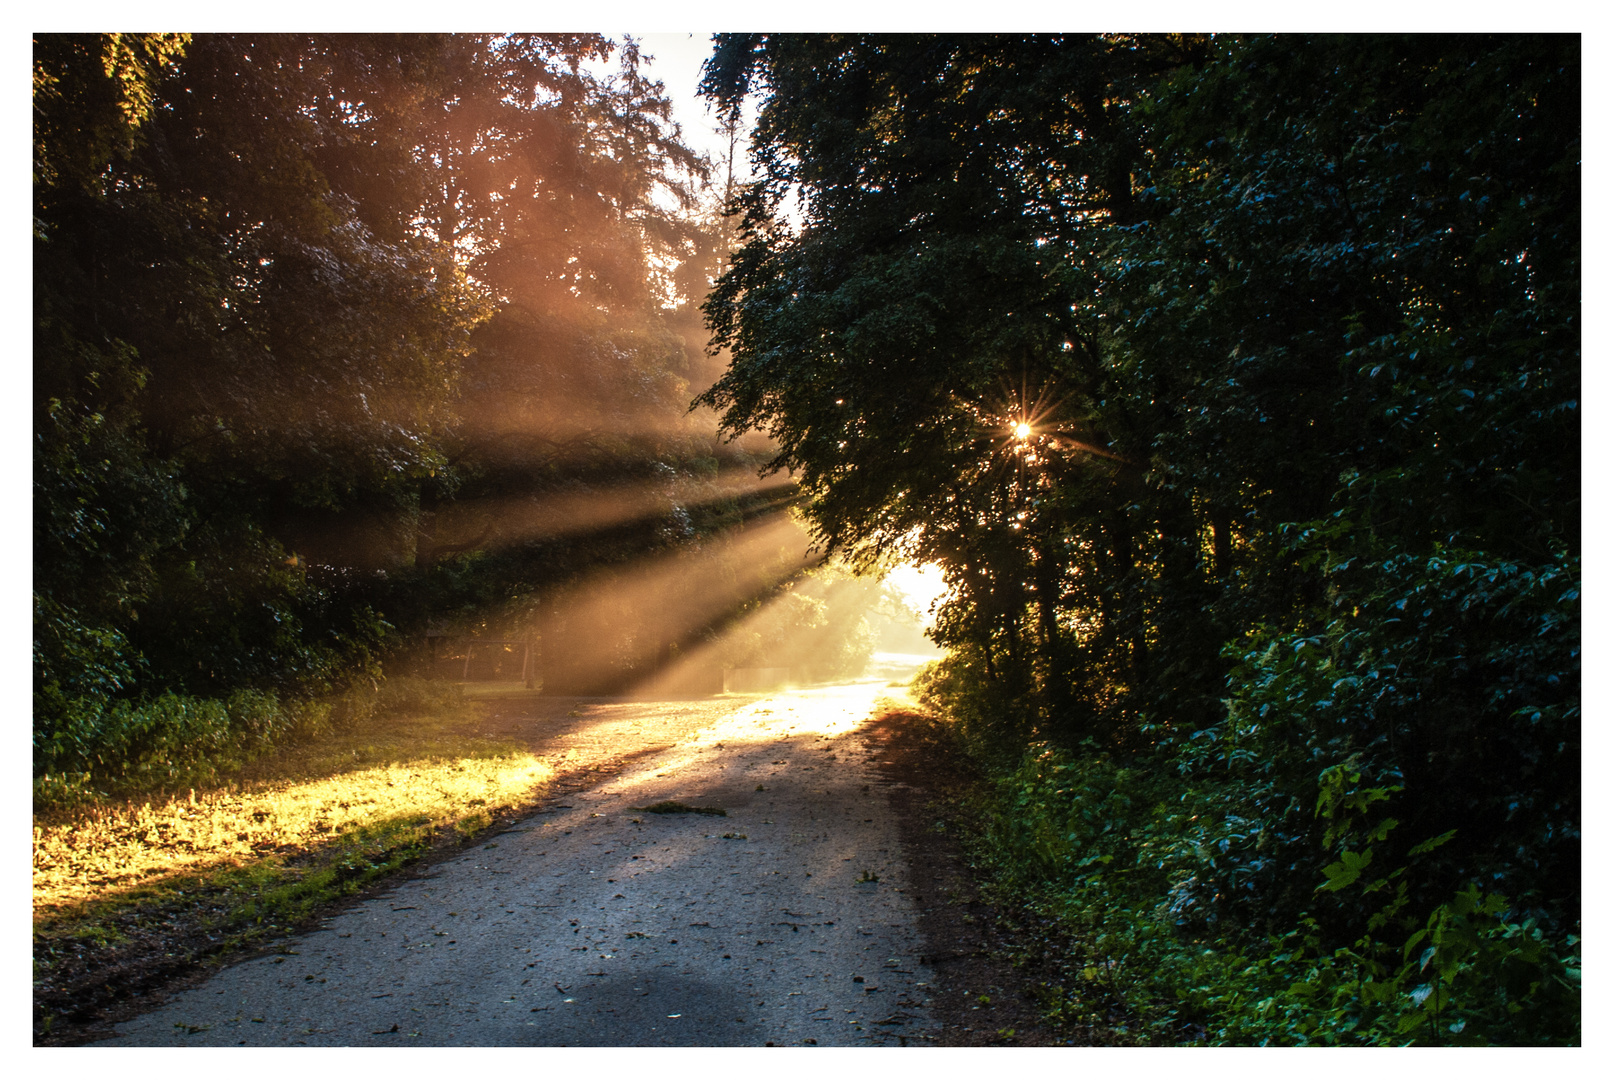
pixel 495 690
pixel 292 831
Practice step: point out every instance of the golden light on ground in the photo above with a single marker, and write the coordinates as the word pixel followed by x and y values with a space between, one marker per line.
pixel 94 856
pixel 825 712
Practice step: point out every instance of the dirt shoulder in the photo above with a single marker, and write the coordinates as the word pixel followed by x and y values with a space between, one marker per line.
pixel 980 996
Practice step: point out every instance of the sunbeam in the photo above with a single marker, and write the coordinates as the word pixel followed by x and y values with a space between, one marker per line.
pixel 599 630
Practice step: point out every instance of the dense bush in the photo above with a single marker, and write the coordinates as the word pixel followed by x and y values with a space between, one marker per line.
pixel 1121 861
pixel 1234 887
pixel 1377 843
pixel 90 746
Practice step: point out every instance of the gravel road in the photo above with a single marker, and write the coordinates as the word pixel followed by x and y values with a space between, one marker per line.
pixel 592 923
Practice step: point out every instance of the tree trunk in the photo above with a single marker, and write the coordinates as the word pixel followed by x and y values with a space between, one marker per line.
pixel 551 663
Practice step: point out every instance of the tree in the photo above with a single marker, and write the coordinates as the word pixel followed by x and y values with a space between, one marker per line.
pixel 342 338
pixel 209 300
pixel 1291 325
pixel 954 194
pixel 1358 291
pixel 279 246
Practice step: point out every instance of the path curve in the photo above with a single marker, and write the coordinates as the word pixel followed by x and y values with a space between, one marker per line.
pixel 589 923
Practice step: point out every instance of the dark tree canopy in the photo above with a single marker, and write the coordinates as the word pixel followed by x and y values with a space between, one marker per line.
pixel 1292 326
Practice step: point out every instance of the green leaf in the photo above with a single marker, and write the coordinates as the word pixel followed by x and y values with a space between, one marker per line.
pixel 1431 844
pixel 1346 871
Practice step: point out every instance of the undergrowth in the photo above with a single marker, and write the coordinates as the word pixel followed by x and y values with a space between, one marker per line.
pixel 1118 874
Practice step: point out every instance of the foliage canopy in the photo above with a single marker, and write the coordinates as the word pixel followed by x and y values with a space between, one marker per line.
pixel 1292 328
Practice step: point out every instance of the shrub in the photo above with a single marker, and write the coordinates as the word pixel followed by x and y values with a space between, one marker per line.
pixel 1134 863
pixel 89 747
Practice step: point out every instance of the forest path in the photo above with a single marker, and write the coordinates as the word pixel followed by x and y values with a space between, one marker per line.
pixel 589 924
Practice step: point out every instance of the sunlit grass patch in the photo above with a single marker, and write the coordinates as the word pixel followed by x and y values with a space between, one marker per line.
pixel 441 727
pixel 298 827
pixel 91 855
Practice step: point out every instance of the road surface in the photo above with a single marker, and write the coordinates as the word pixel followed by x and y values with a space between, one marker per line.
pixel 596 923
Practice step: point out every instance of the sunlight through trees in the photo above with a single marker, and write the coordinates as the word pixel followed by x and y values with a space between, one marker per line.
pixel 344 340
pixel 1215 397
